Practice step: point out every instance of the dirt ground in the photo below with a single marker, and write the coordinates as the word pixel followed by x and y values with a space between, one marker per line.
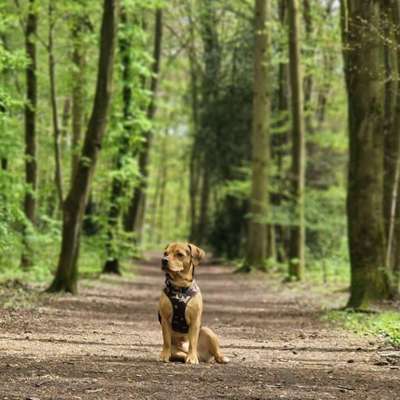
pixel 104 344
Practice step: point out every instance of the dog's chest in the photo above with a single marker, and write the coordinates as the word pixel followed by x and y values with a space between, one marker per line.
pixel 180 298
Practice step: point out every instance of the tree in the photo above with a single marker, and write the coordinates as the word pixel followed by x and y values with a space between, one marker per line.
pixel 112 264
pixel 257 237
pixel 67 273
pixel 30 127
pixel 206 140
pixel 297 231
pixel 364 73
pixel 79 26
pixel 135 215
pixel 53 96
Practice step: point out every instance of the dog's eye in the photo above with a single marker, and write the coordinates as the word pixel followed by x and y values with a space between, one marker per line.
pixel 180 255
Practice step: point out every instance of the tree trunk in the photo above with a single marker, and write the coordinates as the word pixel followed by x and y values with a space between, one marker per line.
pixel 308 79
pixel 53 97
pixel 207 131
pixel 194 167
pixel 391 87
pixel 256 251
pixel 364 72
pixel 393 245
pixel 66 275
pixel 204 204
pixel 137 206
pixel 78 89
pixel 112 264
pixel 297 231
pixel 280 142
pixel 30 127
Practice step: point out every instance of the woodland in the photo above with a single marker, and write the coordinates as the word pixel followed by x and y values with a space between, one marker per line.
pixel 265 131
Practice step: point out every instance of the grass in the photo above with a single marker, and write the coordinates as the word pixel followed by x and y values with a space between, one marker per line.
pixel 45 258
pixel 385 324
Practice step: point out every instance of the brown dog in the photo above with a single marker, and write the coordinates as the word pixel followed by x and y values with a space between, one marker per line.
pixel 181 307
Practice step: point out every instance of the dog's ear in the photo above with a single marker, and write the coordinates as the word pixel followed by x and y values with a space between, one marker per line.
pixel 196 253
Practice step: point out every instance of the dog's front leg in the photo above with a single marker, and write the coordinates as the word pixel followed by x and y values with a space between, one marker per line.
pixel 165 354
pixel 193 336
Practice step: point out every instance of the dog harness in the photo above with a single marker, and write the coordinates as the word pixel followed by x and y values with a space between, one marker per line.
pixel 179 298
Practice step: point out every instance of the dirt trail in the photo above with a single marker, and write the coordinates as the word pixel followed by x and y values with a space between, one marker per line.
pixel 104 344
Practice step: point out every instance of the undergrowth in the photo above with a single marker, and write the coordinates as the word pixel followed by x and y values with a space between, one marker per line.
pixel 385 324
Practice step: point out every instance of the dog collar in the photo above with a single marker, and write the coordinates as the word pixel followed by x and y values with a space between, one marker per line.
pixel 182 289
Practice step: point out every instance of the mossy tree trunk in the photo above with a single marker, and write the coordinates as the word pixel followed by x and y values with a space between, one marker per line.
pixel 256 251
pixel 297 231
pixel 67 273
pixel 365 75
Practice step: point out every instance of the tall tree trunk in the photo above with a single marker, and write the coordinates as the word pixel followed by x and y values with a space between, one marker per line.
pixel 365 71
pixel 112 264
pixel 194 166
pixel 391 87
pixel 78 89
pixel 163 185
pixel 391 131
pixel 53 97
pixel 66 275
pixel 308 79
pixel 138 203
pixel 297 231
pixel 210 93
pixel 256 251
pixel 30 127
pixel 393 228
pixel 280 142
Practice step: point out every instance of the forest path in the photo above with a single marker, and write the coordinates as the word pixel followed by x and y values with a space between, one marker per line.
pixel 104 344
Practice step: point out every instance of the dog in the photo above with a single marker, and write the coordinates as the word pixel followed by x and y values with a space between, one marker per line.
pixel 181 307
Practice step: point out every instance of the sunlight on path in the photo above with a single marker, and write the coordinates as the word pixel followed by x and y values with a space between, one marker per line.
pixel 104 344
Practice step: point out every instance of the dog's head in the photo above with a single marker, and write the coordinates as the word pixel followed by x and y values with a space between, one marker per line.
pixel 180 257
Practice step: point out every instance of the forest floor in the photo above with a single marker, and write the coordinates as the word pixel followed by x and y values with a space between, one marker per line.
pixel 105 343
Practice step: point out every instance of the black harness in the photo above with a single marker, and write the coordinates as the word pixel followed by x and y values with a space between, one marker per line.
pixel 179 298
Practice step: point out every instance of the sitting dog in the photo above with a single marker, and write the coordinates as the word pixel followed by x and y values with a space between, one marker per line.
pixel 181 307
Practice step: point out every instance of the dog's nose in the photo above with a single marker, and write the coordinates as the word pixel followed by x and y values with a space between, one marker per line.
pixel 164 262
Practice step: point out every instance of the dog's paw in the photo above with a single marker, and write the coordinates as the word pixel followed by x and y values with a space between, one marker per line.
pixel 192 359
pixel 165 355
pixel 221 359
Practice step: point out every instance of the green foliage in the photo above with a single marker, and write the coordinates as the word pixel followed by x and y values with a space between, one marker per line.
pixel 385 325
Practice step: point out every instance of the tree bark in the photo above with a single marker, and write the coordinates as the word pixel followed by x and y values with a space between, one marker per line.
pixel 208 130
pixel 194 167
pixel 67 272
pixel 138 203
pixel 280 142
pixel 112 264
pixel 78 89
pixel 30 127
pixel 256 251
pixel 308 79
pixel 364 72
pixel 297 231
pixel 393 245
pixel 53 97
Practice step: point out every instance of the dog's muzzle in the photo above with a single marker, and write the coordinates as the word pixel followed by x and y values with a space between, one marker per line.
pixel 164 263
